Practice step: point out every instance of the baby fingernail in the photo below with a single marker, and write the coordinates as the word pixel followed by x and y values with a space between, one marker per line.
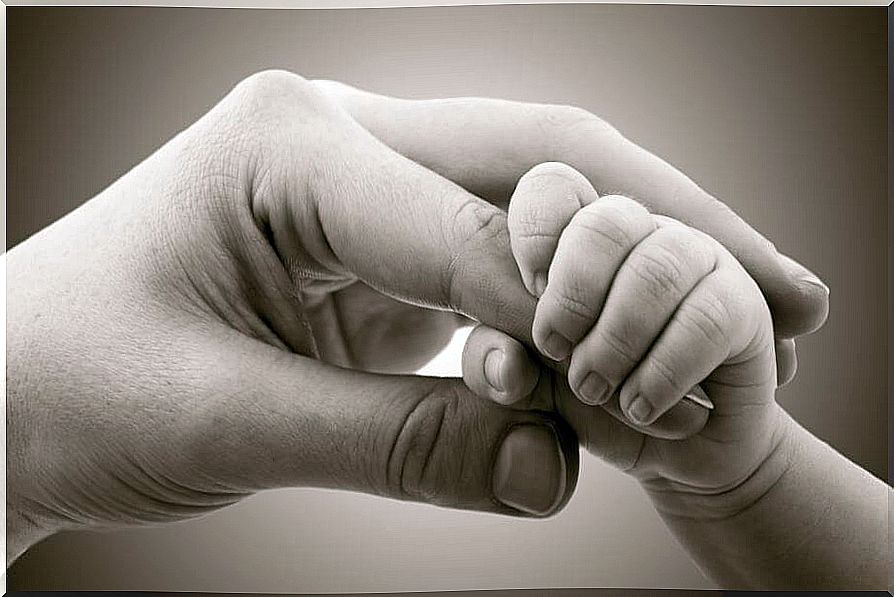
pixel 639 410
pixel 539 280
pixel 493 369
pixel 697 395
pixel 529 474
pixel 556 347
pixel 594 390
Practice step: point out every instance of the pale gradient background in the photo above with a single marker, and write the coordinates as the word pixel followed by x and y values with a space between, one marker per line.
pixel 780 112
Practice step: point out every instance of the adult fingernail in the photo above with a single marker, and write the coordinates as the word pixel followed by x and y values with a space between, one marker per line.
pixel 539 283
pixel 529 474
pixel 639 410
pixel 594 390
pixel 493 370
pixel 556 347
pixel 814 281
pixel 803 274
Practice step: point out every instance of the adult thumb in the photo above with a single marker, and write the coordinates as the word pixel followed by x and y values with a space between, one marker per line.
pixel 281 420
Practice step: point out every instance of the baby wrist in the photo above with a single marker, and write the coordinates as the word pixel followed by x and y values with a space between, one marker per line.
pixel 677 501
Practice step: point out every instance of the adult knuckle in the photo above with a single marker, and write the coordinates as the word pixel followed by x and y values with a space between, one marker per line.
pixel 477 228
pixel 332 87
pixel 555 120
pixel 420 461
pixel 476 223
pixel 563 125
pixel 279 94
pixel 273 82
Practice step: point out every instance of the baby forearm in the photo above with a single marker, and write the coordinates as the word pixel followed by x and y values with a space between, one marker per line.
pixel 821 524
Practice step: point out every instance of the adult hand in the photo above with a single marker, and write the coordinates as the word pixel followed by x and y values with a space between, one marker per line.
pixel 179 341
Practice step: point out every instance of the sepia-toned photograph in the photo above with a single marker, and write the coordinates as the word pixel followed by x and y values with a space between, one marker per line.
pixel 447 298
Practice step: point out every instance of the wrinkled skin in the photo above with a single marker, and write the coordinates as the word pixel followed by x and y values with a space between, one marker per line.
pixel 186 338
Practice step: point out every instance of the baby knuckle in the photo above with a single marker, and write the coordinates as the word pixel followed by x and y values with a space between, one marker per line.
pixel 609 228
pixel 659 270
pixel 621 345
pixel 664 376
pixel 709 316
pixel 533 223
pixel 695 250
pixel 624 205
pixel 572 302
pixel 546 175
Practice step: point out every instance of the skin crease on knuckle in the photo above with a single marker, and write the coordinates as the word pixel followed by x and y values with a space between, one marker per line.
pixel 659 381
pixel 614 218
pixel 659 271
pixel 568 306
pixel 715 316
pixel 284 122
pixel 477 229
pixel 572 296
pixel 417 467
pixel 607 228
pixel 618 343
pixel 670 265
pixel 534 224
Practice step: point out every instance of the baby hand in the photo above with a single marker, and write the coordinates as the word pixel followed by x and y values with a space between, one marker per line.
pixel 642 308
